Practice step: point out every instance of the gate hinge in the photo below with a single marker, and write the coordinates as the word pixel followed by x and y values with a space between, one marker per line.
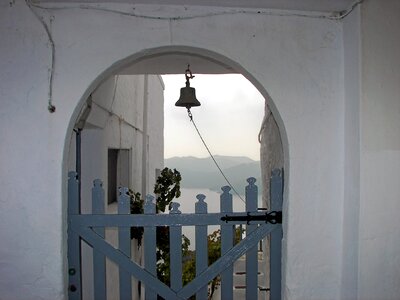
pixel 272 217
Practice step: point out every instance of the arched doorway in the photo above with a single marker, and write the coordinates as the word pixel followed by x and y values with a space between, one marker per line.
pixel 155 56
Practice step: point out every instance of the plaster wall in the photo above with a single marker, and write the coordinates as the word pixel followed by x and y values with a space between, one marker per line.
pixel 271 157
pixel 351 176
pixel 155 139
pixel 299 61
pixel 379 255
pixel 271 152
pixel 31 209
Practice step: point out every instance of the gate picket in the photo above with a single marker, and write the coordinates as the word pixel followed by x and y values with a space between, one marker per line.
pixel 99 259
pixel 276 191
pixel 124 244
pixel 201 245
pixel 227 236
pixel 251 255
pixel 74 240
pixel 149 242
pixel 175 246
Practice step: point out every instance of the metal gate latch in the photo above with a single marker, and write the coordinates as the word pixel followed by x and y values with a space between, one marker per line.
pixel 272 217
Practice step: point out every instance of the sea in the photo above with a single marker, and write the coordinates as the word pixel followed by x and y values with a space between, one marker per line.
pixel 187 202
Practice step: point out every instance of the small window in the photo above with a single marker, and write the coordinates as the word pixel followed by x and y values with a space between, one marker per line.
pixel 118 172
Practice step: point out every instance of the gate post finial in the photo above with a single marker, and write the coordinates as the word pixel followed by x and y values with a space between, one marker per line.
pixel 97 183
pixel 149 205
pixel 251 181
pixel 175 208
pixel 201 205
pixel 226 189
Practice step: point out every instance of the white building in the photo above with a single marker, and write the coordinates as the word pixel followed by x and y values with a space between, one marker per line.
pixel 121 136
pixel 332 82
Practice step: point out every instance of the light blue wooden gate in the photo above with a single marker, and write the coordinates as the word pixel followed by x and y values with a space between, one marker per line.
pixel 90 229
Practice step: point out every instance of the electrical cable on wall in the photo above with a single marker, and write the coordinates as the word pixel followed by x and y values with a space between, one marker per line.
pixel 212 156
pixel 51 108
pixel 232 11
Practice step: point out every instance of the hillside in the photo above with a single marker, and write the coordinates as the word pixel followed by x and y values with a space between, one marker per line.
pixel 202 173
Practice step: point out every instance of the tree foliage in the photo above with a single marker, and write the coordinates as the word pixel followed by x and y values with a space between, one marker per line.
pixel 167 188
pixel 136 207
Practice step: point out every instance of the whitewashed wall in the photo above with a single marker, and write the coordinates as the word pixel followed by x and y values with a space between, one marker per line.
pixel 298 61
pixel 379 235
pixel 351 175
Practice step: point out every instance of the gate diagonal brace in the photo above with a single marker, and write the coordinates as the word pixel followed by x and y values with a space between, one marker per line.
pixel 272 217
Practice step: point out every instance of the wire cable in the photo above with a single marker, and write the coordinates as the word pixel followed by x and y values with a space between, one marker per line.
pixel 212 156
pixel 346 12
pixel 231 11
pixel 51 108
pixel 96 7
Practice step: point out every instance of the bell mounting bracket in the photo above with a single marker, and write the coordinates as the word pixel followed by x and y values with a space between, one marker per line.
pixel 188 75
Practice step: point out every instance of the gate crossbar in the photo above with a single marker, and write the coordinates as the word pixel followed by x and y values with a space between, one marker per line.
pixel 124 262
pixel 140 220
pixel 226 260
pixel 90 229
pixel 152 282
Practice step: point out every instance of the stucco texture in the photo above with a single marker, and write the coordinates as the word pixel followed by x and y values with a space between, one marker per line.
pixel 295 62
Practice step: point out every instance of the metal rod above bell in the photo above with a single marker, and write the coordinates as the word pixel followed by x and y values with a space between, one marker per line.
pixel 188 94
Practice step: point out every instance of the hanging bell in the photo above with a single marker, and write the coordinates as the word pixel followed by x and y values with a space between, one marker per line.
pixel 188 94
pixel 187 98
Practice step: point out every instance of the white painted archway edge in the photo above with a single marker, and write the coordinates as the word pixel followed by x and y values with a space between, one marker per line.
pixel 176 50
pixel 307 94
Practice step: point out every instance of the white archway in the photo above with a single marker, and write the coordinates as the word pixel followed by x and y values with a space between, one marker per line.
pixel 140 57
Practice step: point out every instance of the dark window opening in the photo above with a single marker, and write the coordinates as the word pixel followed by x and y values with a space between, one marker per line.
pixel 118 172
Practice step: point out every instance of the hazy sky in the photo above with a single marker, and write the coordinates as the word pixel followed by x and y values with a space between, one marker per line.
pixel 229 117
